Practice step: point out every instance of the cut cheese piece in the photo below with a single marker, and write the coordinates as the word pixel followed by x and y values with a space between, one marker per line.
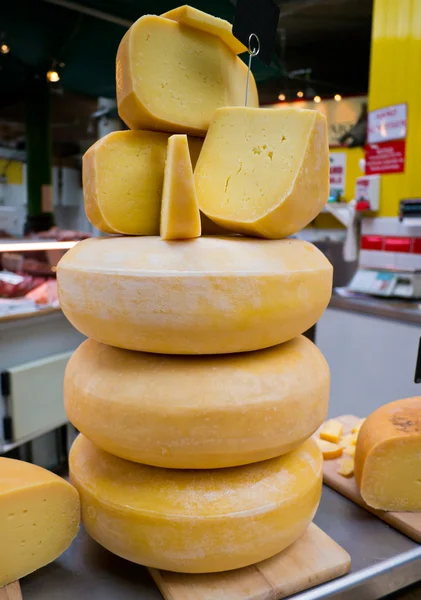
pixel 329 449
pixel 264 172
pixel 215 520
pixel 192 17
pixel 209 295
pixel 277 398
pixel 331 431
pixel 346 467
pixel 350 439
pixel 172 78
pixel 180 217
pixel 39 518
pixel 350 450
pixel 388 457
pixel 123 176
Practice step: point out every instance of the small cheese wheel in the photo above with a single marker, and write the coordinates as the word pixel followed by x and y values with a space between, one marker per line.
pixel 387 457
pixel 172 78
pixel 201 521
pixel 180 217
pixel 39 518
pixel 264 172
pixel 192 17
pixel 208 295
pixel 153 414
pixel 123 176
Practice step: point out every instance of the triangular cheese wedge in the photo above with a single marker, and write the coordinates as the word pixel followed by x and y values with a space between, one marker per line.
pixel 180 217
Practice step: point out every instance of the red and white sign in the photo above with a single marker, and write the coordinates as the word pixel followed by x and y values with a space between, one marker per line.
pixel 337 172
pixel 387 157
pixel 389 123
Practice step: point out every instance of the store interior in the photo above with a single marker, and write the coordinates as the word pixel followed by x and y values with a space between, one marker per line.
pixel 176 340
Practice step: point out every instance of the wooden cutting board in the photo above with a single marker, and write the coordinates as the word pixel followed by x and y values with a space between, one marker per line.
pixel 313 559
pixel 11 591
pixel 406 522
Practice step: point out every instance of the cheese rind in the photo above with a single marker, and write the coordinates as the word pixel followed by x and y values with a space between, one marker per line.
pixel 180 217
pixel 208 295
pixel 39 518
pixel 192 17
pixel 172 78
pixel 155 414
pixel 215 520
pixel 264 172
pixel 387 457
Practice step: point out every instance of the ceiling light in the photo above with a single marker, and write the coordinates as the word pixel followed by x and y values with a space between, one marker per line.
pixel 317 99
pixel 337 97
pixel 300 94
pixel 281 97
pixel 4 49
pixel 53 76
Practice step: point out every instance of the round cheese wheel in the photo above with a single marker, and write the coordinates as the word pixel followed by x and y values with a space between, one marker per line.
pixel 209 295
pixel 196 521
pixel 201 411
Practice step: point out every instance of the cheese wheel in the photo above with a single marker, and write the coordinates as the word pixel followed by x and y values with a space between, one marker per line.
pixel 208 295
pixel 39 518
pixel 264 172
pixel 196 521
pixel 177 412
pixel 388 457
pixel 180 217
pixel 192 17
pixel 172 78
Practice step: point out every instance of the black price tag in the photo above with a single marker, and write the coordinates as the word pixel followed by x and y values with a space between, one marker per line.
pixel 258 17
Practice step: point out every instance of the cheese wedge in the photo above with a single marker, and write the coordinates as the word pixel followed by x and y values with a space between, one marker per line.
pixel 346 467
pixel 331 431
pixel 123 175
pixel 215 520
pixel 350 450
pixel 39 518
pixel 264 172
pixel 180 217
pixel 329 449
pixel 209 295
pixel 172 78
pixel 387 457
pixel 157 416
pixel 192 17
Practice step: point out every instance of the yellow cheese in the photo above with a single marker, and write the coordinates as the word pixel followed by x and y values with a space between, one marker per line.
pixel 215 520
pixel 192 17
pixel 350 439
pixel 346 467
pixel 197 412
pixel 39 518
pixel 350 450
pixel 329 449
pixel 180 217
pixel 172 78
pixel 123 176
pixel 387 457
pixel 331 431
pixel 264 172
pixel 208 295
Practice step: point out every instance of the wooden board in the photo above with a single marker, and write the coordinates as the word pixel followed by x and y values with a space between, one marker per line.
pixel 11 592
pixel 313 559
pixel 406 522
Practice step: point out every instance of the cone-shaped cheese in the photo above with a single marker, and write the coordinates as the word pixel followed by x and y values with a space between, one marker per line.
pixel 197 412
pixel 201 521
pixel 192 17
pixel 264 172
pixel 172 78
pixel 180 217
pixel 209 295
pixel 39 518
pixel 387 457
pixel 123 176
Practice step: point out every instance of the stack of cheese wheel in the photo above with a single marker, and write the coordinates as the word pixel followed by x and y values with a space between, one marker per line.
pixel 195 394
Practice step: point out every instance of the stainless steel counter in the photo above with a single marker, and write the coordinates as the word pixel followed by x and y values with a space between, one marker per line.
pixel 388 308
pixel 383 561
